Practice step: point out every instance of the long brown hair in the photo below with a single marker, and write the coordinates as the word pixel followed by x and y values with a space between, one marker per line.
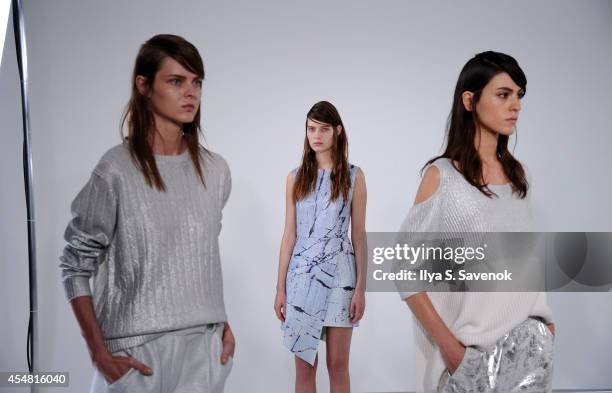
pixel 306 177
pixel 461 127
pixel 138 113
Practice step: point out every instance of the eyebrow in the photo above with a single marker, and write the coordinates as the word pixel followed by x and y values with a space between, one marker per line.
pixel 506 89
pixel 181 76
pixel 509 90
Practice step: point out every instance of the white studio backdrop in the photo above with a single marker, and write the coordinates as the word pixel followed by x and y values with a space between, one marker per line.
pixel 390 68
pixel 5 8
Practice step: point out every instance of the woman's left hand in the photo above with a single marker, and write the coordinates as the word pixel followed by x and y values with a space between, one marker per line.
pixel 551 327
pixel 229 343
pixel 357 306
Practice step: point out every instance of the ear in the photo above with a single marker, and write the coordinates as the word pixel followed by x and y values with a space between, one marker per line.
pixel 339 129
pixel 467 98
pixel 141 85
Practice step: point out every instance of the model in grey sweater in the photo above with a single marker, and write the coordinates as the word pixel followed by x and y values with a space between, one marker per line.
pixel 153 255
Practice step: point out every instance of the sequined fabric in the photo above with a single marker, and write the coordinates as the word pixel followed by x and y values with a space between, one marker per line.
pixel 153 256
pixel 520 361
pixel 321 274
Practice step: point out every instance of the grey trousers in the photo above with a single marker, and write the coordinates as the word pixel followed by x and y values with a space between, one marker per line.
pixel 183 361
pixel 520 361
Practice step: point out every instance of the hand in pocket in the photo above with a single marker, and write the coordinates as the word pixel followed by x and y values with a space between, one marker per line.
pixel 453 356
pixel 229 343
pixel 115 367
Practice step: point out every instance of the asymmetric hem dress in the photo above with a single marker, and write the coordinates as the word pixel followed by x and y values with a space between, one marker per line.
pixel 321 275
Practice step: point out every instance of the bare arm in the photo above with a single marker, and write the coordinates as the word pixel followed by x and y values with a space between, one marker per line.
pixel 287 243
pixel 358 217
pixel 82 307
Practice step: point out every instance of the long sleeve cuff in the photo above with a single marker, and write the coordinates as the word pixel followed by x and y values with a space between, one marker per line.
pixel 76 286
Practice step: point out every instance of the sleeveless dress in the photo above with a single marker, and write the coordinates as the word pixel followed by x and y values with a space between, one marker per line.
pixel 321 275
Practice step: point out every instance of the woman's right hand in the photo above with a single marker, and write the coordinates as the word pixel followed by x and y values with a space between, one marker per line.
pixel 453 354
pixel 280 304
pixel 451 349
pixel 114 367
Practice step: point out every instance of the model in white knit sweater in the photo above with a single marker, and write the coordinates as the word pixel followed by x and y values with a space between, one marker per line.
pixel 476 185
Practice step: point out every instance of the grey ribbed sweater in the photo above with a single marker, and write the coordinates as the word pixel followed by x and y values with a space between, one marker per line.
pixel 475 318
pixel 153 256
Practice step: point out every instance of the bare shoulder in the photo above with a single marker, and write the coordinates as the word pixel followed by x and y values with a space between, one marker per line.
pixel 290 181
pixel 360 184
pixel 359 175
pixel 429 184
pixel 291 177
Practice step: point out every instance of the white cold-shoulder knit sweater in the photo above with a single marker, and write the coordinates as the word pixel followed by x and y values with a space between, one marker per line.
pixel 477 319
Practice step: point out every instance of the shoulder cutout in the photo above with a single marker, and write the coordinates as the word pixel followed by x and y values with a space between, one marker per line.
pixel 429 184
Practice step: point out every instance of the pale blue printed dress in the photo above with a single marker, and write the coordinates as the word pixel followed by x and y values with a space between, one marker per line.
pixel 321 275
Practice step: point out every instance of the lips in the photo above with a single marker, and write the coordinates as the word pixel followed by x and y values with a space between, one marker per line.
pixel 188 107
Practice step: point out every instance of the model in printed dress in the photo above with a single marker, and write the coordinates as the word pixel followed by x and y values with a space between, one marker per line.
pixel 320 288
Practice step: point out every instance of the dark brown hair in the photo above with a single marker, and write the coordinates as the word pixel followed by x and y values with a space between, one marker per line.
pixel 138 113
pixel 306 177
pixel 461 127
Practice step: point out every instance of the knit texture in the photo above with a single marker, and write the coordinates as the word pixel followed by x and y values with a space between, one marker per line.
pixel 153 255
pixel 476 318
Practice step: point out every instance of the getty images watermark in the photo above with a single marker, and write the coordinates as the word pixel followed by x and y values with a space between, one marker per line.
pixel 489 262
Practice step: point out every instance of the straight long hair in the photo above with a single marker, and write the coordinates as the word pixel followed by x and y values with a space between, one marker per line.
pixel 461 125
pixel 138 113
pixel 306 177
